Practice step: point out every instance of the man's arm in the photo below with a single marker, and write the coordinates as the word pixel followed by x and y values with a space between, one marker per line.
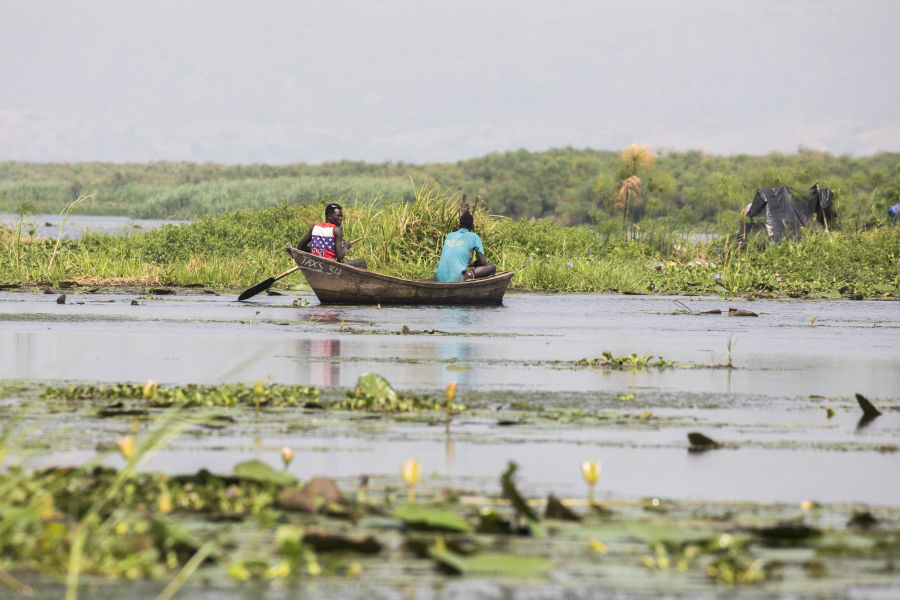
pixel 303 244
pixel 340 248
pixel 479 261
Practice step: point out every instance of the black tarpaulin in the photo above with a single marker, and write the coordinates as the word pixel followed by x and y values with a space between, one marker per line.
pixel 786 212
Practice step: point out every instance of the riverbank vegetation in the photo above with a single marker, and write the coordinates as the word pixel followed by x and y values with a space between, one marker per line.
pixel 684 189
pixel 240 248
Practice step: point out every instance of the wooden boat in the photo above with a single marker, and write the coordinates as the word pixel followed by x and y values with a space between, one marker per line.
pixel 339 283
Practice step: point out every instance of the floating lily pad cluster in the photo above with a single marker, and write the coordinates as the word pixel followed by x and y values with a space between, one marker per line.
pixel 374 393
pixel 627 361
pixel 191 395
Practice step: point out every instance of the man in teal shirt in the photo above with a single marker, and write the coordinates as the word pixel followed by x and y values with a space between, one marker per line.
pixel 457 252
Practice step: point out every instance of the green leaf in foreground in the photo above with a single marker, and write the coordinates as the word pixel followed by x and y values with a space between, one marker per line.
pixel 256 470
pixel 430 519
pixel 660 532
pixel 492 564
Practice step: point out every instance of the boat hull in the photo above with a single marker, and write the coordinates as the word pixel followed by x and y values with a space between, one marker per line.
pixel 339 283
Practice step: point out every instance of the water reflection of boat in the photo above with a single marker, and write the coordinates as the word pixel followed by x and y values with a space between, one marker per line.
pixel 339 283
pixel 324 373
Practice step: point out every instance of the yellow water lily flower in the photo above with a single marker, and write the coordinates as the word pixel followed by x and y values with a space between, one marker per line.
pixel 126 446
pixel 150 388
pixel 287 455
pixel 451 391
pixel 590 469
pixel 412 472
pixel 165 500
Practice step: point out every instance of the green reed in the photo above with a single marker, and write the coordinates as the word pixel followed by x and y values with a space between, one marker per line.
pixel 404 238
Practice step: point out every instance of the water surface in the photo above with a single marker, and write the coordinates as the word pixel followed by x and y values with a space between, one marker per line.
pixel 771 408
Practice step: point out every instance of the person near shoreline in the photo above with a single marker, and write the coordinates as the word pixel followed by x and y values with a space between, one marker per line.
pixel 894 212
pixel 327 239
pixel 454 264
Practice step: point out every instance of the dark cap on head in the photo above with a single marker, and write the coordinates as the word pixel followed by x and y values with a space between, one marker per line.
pixel 466 220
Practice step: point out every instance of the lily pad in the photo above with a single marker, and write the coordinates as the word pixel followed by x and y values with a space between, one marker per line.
pixel 256 470
pixel 492 564
pixel 651 533
pixel 374 386
pixel 430 519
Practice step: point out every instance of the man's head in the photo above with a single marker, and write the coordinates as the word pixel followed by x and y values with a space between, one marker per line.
pixel 466 220
pixel 334 214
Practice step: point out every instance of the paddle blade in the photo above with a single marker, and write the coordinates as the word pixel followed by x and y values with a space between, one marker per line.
pixel 259 287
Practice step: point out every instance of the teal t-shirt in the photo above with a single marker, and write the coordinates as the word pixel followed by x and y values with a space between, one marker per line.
pixel 456 254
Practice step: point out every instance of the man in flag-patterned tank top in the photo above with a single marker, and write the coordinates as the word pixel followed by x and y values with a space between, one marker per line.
pixel 322 243
pixel 327 239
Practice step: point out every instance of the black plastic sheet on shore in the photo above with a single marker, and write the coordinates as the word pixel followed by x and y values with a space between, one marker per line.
pixel 786 212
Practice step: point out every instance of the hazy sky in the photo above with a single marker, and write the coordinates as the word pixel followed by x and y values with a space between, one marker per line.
pixel 422 81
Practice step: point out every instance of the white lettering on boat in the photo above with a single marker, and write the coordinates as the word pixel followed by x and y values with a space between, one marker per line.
pixel 317 265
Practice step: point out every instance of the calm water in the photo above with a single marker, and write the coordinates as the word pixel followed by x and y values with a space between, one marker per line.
pixel 787 449
pixel 47 226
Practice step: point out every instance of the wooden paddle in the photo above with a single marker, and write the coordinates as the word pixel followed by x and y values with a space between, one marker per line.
pixel 264 285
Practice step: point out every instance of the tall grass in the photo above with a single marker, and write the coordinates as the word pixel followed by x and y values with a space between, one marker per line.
pixel 404 238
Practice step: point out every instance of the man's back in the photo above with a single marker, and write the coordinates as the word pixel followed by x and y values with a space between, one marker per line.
pixel 456 254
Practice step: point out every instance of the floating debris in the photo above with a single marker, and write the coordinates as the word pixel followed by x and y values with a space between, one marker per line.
pixel 700 442
pixel 316 496
pixel 740 312
pixel 867 407
pixel 870 413
pixel 862 520
pixel 787 534
pixel 323 540
pixel 684 309
pixel 557 510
